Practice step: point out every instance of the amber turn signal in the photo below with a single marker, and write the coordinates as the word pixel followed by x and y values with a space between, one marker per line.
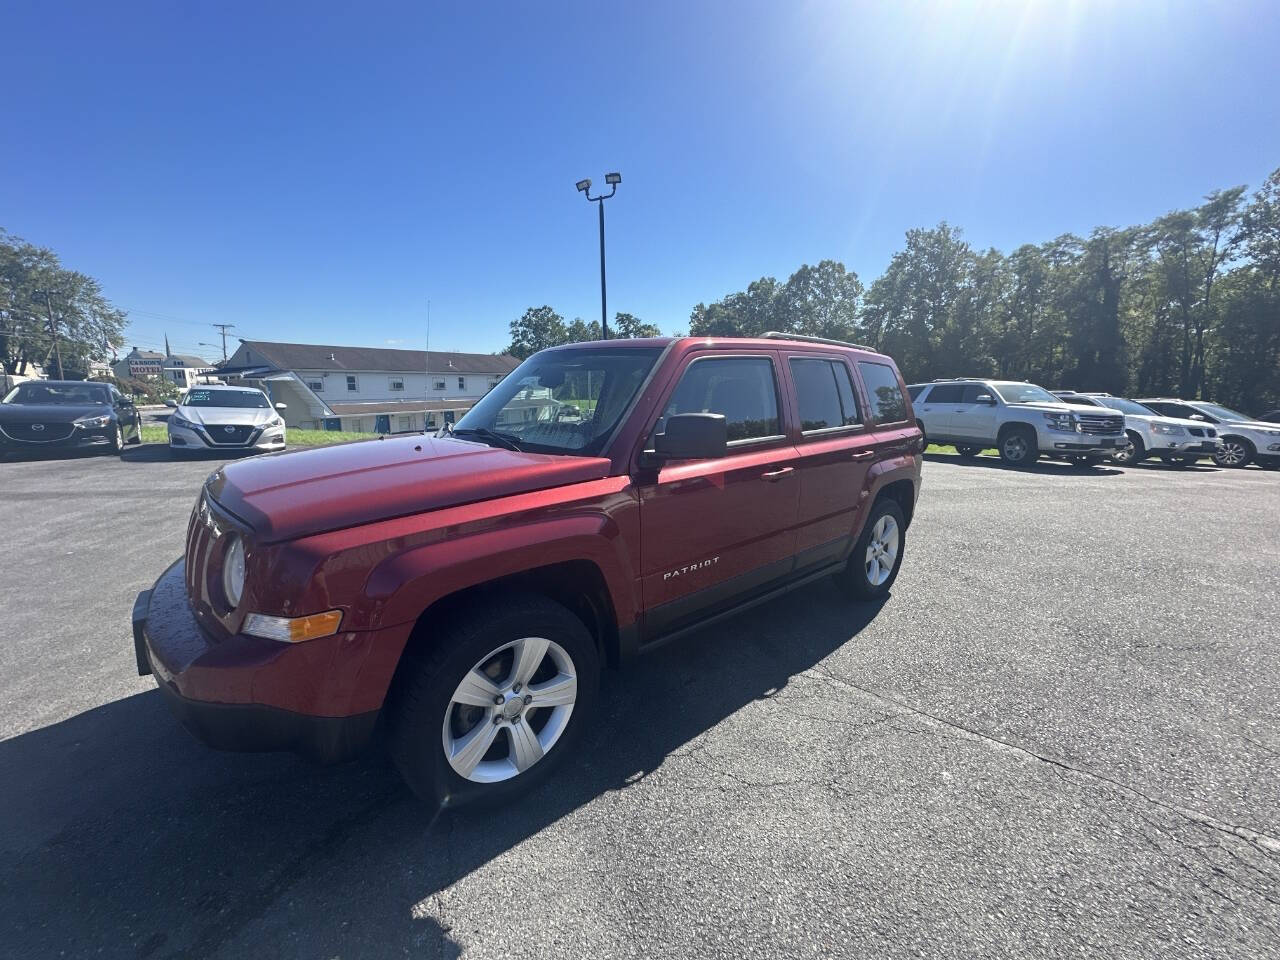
pixel 293 629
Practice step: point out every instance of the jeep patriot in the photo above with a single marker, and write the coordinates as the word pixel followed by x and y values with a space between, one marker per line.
pixel 463 590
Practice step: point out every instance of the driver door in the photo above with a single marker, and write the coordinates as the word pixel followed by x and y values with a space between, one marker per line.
pixel 715 531
pixel 973 420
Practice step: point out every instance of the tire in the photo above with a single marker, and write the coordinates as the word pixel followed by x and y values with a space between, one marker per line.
pixel 1185 461
pixel 1234 452
pixel 924 437
pixel 1085 460
pixel 1018 447
pixel 1135 453
pixel 968 452
pixel 475 656
pixel 884 531
pixel 117 441
pixel 137 435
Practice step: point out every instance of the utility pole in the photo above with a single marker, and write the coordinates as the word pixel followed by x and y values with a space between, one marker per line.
pixel 53 330
pixel 223 328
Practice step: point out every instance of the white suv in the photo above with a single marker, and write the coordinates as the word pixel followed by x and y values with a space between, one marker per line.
pixel 1022 421
pixel 225 418
pixel 1244 440
pixel 1173 440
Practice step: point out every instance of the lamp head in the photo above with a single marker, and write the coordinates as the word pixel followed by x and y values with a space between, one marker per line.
pixel 583 185
pixel 613 179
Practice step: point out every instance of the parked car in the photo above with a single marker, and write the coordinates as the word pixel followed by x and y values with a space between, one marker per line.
pixel 1244 440
pixel 1271 416
pixel 1178 442
pixel 466 588
pixel 40 415
pixel 1021 420
pixel 216 417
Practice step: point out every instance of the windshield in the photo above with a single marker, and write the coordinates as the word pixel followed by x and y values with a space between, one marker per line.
pixel 225 398
pixel 1025 393
pixel 42 391
pixel 562 401
pixel 1222 413
pixel 1126 406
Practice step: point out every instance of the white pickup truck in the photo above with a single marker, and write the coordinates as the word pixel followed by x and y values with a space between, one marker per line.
pixel 1021 420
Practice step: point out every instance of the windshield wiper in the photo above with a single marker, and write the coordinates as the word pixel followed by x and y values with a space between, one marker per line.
pixel 504 440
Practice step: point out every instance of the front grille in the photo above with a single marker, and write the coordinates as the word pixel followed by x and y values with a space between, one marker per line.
pixel 1101 424
pixel 1210 432
pixel 228 435
pixel 37 432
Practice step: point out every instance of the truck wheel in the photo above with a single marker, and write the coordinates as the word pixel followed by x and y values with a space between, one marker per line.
pixel 1135 452
pixel 968 452
pixel 1018 447
pixel 1234 452
pixel 497 700
pixel 877 555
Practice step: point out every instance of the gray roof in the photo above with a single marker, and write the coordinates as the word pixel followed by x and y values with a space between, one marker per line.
pixel 136 354
pixel 310 356
pixel 189 361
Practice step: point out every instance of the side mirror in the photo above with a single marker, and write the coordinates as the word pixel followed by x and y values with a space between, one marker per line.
pixel 171 403
pixel 693 436
pixel 282 406
pixel 1200 416
pixel 986 398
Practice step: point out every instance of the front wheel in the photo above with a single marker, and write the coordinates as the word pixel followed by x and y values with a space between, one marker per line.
pixel 116 445
pixel 498 699
pixel 877 556
pixel 1018 447
pixel 1233 453
pixel 1135 452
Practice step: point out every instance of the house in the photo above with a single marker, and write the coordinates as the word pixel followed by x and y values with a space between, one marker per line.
pixel 184 369
pixel 366 389
pixel 138 363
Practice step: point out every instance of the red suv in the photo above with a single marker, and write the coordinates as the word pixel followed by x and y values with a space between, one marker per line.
pixel 464 589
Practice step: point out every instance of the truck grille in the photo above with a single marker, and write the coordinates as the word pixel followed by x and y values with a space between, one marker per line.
pixel 1101 424
pixel 38 432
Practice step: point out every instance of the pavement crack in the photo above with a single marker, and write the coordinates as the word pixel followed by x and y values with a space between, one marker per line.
pixel 1263 842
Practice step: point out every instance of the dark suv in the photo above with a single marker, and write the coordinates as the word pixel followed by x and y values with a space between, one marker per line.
pixel 465 588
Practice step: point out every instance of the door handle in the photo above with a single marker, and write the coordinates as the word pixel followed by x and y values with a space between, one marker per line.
pixel 773 476
pixel 862 455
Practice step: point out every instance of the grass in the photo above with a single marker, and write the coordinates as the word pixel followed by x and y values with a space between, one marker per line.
pixel 947 448
pixel 158 433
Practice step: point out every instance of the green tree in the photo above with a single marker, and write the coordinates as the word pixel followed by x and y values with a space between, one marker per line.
pixel 582 332
pixel 34 283
pixel 821 301
pixel 537 329
pixel 629 326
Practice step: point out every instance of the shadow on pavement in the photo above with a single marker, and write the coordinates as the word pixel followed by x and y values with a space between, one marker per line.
pixel 1054 467
pixel 126 837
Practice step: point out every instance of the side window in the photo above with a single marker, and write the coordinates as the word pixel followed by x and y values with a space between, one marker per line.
pixel 942 393
pixel 824 393
pixel 887 403
pixel 915 390
pixel 352 384
pixel 741 388
pixel 972 391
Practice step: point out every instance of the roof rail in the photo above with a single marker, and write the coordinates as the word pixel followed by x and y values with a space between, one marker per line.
pixel 779 335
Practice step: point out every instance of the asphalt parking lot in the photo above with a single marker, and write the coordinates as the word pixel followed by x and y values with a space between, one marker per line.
pixel 1058 737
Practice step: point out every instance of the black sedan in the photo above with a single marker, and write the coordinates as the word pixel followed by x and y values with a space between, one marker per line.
pixel 67 415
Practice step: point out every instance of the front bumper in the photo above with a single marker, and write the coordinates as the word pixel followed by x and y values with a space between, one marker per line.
pixel 183 438
pixel 236 694
pixel 1184 446
pixel 78 439
pixel 1074 444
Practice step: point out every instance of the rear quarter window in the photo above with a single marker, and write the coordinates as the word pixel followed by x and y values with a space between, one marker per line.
pixel 884 392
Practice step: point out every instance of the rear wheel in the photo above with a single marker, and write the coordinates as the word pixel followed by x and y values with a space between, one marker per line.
pixel 1234 452
pixel 496 702
pixel 877 556
pixel 1018 447
pixel 967 451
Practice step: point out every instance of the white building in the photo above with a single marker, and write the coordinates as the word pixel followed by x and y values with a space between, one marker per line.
pixel 366 389
pixel 184 369
pixel 138 363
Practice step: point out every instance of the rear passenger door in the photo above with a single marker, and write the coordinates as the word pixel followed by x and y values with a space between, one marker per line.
pixel 833 454
pixel 938 411
pixel 713 532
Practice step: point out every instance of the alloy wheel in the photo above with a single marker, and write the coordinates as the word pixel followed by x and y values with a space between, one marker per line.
pixel 1124 454
pixel 1232 454
pixel 1015 447
pixel 509 710
pixel 882 550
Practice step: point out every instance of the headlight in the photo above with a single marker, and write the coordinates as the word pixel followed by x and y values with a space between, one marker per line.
pixel 92 423
pixel 176 420
pixel 233 571
pixel 1061 421
pixel 275 422
pixel 1167 429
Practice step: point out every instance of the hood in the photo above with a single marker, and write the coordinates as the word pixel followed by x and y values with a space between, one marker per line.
pixel 50 412
pixel 288 495
pixel 1064 406
pixel 1246 425
pixel 1161 418
pixel 220 416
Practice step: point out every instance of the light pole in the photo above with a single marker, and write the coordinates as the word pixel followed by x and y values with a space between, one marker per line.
pixel 584 186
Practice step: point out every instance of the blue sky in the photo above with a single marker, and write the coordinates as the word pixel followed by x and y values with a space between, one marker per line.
pixel 318 172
